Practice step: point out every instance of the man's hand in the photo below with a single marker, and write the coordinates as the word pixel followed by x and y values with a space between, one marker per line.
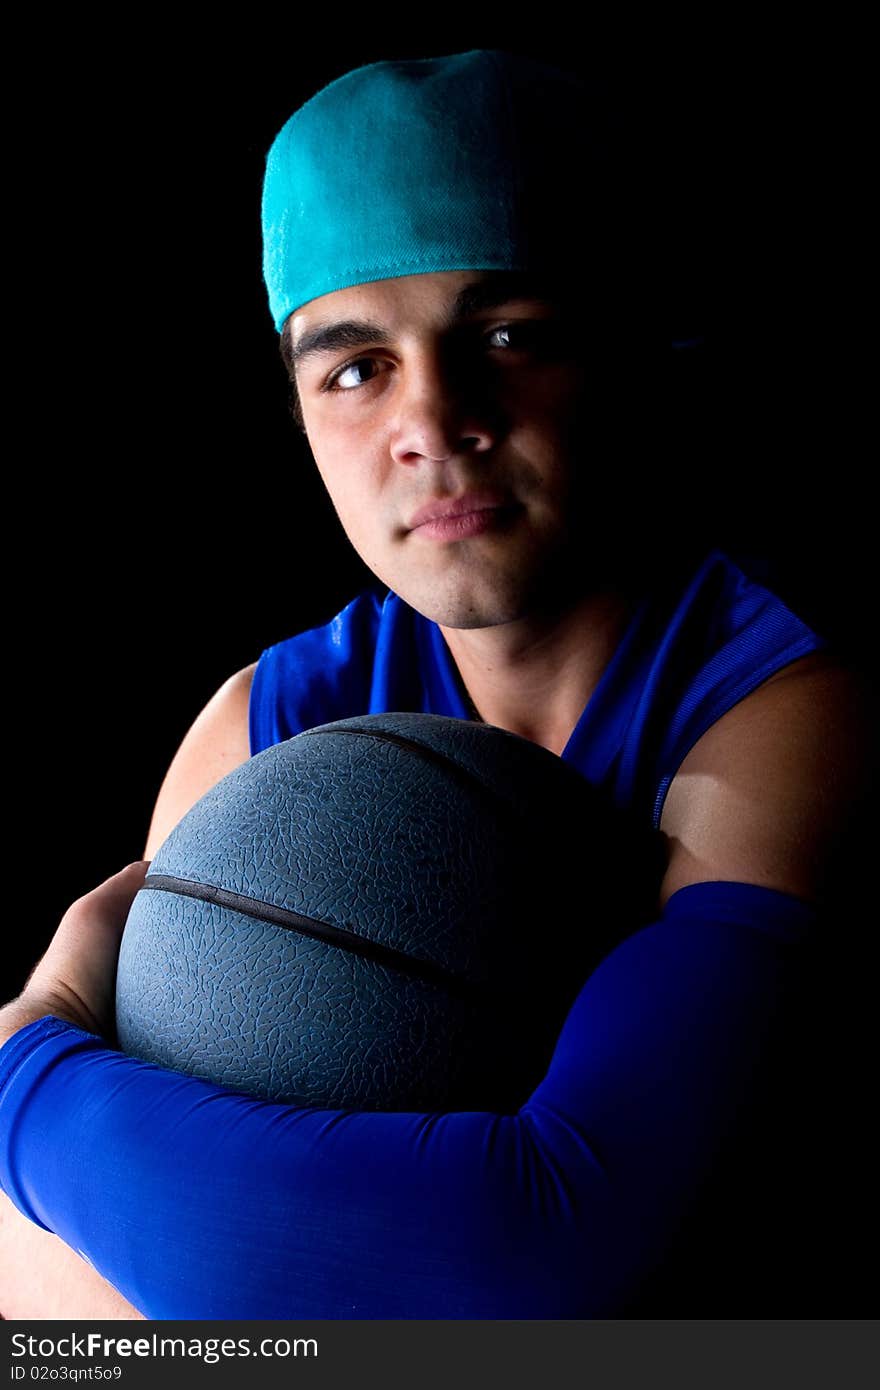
pixel 76 978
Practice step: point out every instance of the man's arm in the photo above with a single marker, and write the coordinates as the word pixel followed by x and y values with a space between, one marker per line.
pixel 40 1276
pixel 560 1210
pixel 217 742
pixel 684 1004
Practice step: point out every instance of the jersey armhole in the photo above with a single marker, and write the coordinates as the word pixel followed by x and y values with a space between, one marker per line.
pixel 810 642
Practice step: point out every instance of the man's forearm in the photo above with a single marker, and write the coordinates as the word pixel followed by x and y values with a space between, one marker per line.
pixel 42 1278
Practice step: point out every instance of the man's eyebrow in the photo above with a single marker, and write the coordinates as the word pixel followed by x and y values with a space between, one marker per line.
pixel 488 294
pixel 478 295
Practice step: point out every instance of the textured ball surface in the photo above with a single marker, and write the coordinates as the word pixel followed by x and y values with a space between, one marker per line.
pixel 388 912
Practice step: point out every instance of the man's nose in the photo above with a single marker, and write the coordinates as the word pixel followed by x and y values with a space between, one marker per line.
pixel 442 409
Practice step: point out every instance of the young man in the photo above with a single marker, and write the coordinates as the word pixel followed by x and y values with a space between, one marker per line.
pixel 467 430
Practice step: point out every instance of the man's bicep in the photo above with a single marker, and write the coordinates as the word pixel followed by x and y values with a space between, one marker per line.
pixel 770 792
pixel 217 741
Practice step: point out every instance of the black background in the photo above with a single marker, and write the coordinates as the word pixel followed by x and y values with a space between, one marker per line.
pixel 166 521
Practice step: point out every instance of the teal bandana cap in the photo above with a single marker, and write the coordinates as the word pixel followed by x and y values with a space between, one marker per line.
pixel 476 160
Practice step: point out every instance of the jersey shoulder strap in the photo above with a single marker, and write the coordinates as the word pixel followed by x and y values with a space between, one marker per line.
pixel 316 676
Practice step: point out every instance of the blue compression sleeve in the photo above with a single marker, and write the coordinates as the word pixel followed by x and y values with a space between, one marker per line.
pixel 198 1202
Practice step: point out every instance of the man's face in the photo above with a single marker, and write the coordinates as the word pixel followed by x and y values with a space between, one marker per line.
pixel 430 394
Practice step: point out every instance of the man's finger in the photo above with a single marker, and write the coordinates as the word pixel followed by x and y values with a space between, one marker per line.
pixel 111 901
pixel 122 885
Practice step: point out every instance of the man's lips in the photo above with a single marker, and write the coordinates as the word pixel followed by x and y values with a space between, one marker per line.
pixel 444 508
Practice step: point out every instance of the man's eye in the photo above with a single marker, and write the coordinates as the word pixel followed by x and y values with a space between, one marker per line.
pixel 519 337
pixel 511 335
pixel 333 382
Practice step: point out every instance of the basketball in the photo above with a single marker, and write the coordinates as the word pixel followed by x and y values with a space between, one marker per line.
pixel 392 912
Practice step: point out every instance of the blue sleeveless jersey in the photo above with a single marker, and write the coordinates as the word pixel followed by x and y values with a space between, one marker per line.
pixel 196 1201
pixel 690 650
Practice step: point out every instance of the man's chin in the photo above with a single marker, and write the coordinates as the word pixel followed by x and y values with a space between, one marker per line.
pixel 473 620
pixel 471 607
pixel 457 610
pixel 480 595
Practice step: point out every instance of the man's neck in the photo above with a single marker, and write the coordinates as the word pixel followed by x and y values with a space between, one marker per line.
pixel 534 677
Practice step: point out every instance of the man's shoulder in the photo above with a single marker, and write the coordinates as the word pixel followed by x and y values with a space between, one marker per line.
pixel 319 674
